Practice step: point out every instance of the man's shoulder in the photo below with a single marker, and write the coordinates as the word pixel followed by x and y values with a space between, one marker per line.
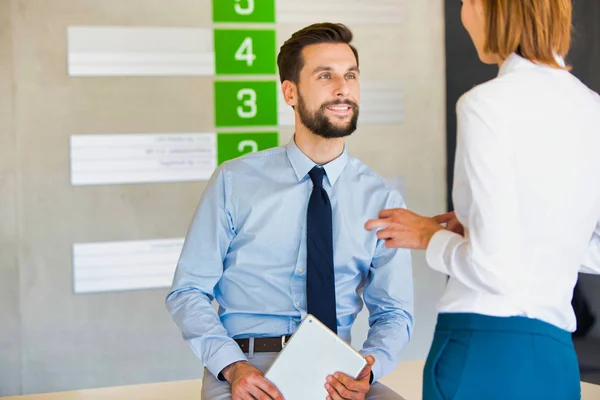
pixel 370 179
pixel 254 159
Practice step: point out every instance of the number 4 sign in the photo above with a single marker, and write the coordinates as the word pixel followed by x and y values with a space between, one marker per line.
pixel 245 52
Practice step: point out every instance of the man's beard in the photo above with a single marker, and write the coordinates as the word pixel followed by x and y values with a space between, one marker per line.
pixel 318 123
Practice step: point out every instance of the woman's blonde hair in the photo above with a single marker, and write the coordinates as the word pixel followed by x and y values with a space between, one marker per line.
pixel 538 30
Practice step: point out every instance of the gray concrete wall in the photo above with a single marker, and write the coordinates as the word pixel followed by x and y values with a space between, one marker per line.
pixel 10 344
pixel 52 339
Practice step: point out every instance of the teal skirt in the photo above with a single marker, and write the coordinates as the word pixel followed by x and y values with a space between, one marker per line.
pixel 478 357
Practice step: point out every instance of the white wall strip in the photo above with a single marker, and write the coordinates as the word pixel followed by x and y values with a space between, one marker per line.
pixel 350 12
pixel 381 103
pixel 124 51
pixel 142 158
pixel 111 266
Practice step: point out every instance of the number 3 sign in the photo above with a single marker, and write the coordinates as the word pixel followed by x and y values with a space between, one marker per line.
pixel 241 103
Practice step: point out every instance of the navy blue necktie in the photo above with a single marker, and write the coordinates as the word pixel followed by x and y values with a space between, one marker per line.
pixel 320 277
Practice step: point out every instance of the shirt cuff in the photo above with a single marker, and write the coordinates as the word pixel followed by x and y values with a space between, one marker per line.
pixel 438 246
pixel 229 353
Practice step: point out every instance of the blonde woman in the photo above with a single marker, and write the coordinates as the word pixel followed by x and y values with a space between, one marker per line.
pixel 527 200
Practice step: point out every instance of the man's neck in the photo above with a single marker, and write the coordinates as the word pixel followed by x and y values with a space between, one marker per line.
pixel 317 148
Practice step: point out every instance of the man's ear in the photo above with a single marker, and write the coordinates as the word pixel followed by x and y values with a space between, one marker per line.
pixel 290 93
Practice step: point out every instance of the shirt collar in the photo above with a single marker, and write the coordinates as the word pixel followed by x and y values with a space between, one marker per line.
pixel 302 164
pixel 515 61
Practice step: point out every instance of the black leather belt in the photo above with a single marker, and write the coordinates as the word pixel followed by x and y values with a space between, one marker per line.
pixel 264 345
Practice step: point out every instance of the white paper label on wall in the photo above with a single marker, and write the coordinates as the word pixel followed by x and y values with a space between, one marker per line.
pixel 126 51
pixel 351 12
pixel 381 103
pixel 111 266
pixel 142 158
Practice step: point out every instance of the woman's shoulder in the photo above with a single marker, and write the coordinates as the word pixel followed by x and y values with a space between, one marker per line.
pixel 488 93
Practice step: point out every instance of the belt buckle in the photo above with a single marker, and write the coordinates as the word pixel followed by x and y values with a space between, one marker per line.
pixel 282 342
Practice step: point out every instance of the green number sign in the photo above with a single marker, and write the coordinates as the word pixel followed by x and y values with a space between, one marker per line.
pixel 244 52
pixel 248 51
pixel 232 145
pixel 244 11
pixel 245 103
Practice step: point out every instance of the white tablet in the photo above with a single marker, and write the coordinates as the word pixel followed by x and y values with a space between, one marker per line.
pixel 312 353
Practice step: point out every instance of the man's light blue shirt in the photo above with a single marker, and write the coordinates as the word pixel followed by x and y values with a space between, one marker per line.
pixel 246 248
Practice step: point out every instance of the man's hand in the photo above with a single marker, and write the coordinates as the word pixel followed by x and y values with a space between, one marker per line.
pixel 248 383
pixel 451 222
pixel 342 387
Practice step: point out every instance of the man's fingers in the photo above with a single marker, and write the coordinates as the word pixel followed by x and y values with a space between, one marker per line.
pixel 333 394
pixel 242 394
pixel 336 390
pixel 269 389
pixel 366 371
pixel 258 393
pixel 256 387
pixel 347 382
pixel 342 386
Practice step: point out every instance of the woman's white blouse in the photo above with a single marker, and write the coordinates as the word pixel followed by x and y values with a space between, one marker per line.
pixel 527 191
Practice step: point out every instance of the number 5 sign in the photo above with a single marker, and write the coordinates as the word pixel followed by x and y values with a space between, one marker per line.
pixel 262 11
pixel 249 52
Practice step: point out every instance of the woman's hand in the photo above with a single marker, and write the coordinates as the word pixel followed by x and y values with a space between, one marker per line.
pixel 401 228
pixel 451 222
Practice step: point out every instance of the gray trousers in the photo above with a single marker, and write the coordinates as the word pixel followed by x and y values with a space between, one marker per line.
pixel 213 389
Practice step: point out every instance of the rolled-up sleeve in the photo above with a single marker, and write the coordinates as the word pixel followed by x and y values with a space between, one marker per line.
pixel 199 269
pixel 389 297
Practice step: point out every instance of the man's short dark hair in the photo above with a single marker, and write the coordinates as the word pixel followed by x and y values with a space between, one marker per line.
pixel 290 60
